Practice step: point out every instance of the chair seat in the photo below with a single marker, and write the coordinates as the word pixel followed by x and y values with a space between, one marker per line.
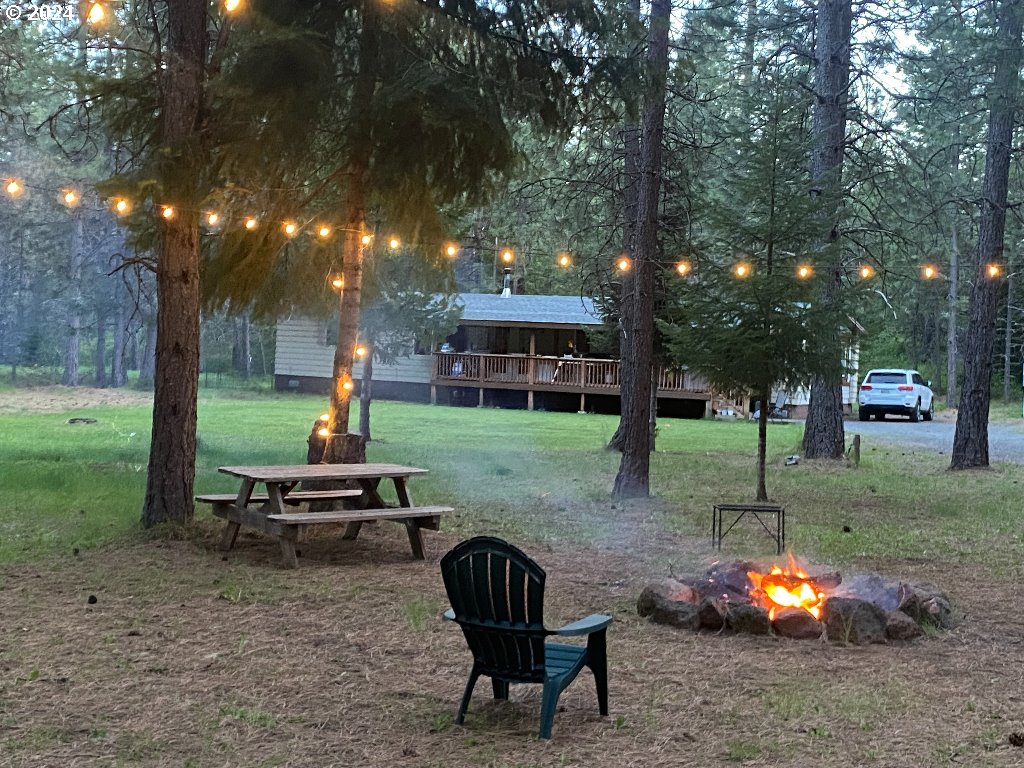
pixel 563 661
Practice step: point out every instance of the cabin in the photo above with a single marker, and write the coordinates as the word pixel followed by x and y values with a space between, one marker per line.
pixel 513 351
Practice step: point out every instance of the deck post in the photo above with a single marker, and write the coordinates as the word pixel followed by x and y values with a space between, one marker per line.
pixel 529 399
pixel 531 371
pixel 583 403
pixel 433 394
pixel 481 403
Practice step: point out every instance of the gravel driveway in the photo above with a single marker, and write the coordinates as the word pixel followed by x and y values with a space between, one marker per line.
pixel 1005 441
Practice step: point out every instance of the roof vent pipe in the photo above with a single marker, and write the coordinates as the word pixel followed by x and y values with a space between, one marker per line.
pixel 506 288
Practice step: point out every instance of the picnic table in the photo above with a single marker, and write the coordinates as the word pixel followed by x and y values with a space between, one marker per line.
pixel 269 512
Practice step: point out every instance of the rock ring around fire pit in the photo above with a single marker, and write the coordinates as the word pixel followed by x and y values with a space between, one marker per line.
pixel 743 596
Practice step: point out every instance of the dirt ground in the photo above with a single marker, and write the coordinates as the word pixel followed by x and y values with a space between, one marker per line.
pixel 188 657
pixel 57 398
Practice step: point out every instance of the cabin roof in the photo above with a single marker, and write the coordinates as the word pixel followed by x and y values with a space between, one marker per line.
pixel 493 309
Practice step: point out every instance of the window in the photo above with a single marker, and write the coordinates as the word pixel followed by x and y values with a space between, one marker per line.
pixel 887 377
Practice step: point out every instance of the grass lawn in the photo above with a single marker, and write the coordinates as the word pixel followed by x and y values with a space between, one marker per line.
pixel 191 657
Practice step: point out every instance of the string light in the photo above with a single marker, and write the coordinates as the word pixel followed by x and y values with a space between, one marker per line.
pixel 804 271
pixel 212 218
pixel 70 197
pixel 232 5
pixel 393 243
pixel 866 271
pixel 564 260
pixel 742 270
pixel 167 212
pixel 290 228
pixel 452 250
pixel 367 239
pixel 348 385
pixel 323 232
pixel 508 256
pixel 325 417
pixel 121 206
pixel 338 282
pixel 96 14
pixel 360 351
pixel 929 271
pixel 623 264
pixel 683 268
pixel 251 222
pixel 324 432
pixel 14 188
pixel 993 270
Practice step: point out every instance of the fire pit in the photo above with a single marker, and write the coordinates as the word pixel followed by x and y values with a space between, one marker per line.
pixel 795 601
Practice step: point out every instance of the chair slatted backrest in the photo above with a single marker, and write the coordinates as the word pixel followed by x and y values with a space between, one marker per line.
pixel 497 594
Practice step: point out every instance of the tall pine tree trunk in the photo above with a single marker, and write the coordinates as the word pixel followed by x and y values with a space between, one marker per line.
pixel 118 362
pixel 633 478
pixel 823 431
pixel 147 361
pixel 970 441
pixel 952 309
pixel 72 345
pixel 101 347
pixel 356 176
pixel 172 454
pixel 630 200
pixel 366 392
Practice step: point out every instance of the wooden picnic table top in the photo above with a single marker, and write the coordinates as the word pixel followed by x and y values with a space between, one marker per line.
pixel 299 472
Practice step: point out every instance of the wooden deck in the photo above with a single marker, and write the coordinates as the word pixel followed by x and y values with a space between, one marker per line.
pixel 537 373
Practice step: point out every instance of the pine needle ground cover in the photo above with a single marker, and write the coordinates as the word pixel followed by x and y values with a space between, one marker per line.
pixel 190 657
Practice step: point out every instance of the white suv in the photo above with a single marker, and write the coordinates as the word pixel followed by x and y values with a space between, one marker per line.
pixel 895 390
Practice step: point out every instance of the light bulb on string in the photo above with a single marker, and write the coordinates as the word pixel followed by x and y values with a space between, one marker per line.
pixel 14 188
pixel 325 417
pixel 348 385
pixel 804 272
pixel 338 282
pixel 683 268
pixel 167 212
pixel 623 264
pixel 290 229
pixel 742 270
pixel 929 271
pixel 212 219
pixel 451 250
pixel 993 270
pixel 231 6
pixel 366 239
pixel 70 197
pixel 251 222
pixel 121 206
pixel 96 13
pixel 360 351
pixel 564 260
pixel 323 232
pixel 324 432
pixel 866 272
pixel 394 243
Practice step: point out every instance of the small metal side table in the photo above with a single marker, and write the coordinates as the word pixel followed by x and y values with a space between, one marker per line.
pixel 760 511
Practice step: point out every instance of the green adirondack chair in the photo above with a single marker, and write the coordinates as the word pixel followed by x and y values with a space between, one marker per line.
pixel 497 597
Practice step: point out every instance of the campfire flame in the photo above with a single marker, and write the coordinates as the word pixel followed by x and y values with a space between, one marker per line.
pixel 789 587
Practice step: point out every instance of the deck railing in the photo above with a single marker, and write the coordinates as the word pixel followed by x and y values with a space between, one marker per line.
pixel 551 373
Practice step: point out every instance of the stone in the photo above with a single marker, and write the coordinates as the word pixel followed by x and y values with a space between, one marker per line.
pixel 927 608
pixel 711 614
pixel 655 605
pixel 797 624
pixel 747 618
pixel 899 626
pixel 854 621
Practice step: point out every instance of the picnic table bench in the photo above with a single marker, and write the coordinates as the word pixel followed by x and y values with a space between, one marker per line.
pixel 268 512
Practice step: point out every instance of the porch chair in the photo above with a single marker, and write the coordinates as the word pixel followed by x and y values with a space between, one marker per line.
pixel 497 597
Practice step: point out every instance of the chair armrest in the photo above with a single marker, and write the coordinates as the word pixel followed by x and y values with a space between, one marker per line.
pixel 448 615
pixel 593 623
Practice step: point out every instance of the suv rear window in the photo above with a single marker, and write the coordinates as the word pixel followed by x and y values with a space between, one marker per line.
pixel 884 377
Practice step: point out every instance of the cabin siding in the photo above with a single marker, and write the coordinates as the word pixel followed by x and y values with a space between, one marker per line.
pixel 302 352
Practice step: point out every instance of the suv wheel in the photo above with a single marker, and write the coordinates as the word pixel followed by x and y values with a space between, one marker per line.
pixel 863 414
pixel 915 415
pixel 930 413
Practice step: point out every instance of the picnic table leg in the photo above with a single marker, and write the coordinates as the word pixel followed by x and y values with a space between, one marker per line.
pixel 415 538
pixel 288 553
pixel 227 539
pixel 373 499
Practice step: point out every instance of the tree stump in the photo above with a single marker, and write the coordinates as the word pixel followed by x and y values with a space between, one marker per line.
pixel 333 449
